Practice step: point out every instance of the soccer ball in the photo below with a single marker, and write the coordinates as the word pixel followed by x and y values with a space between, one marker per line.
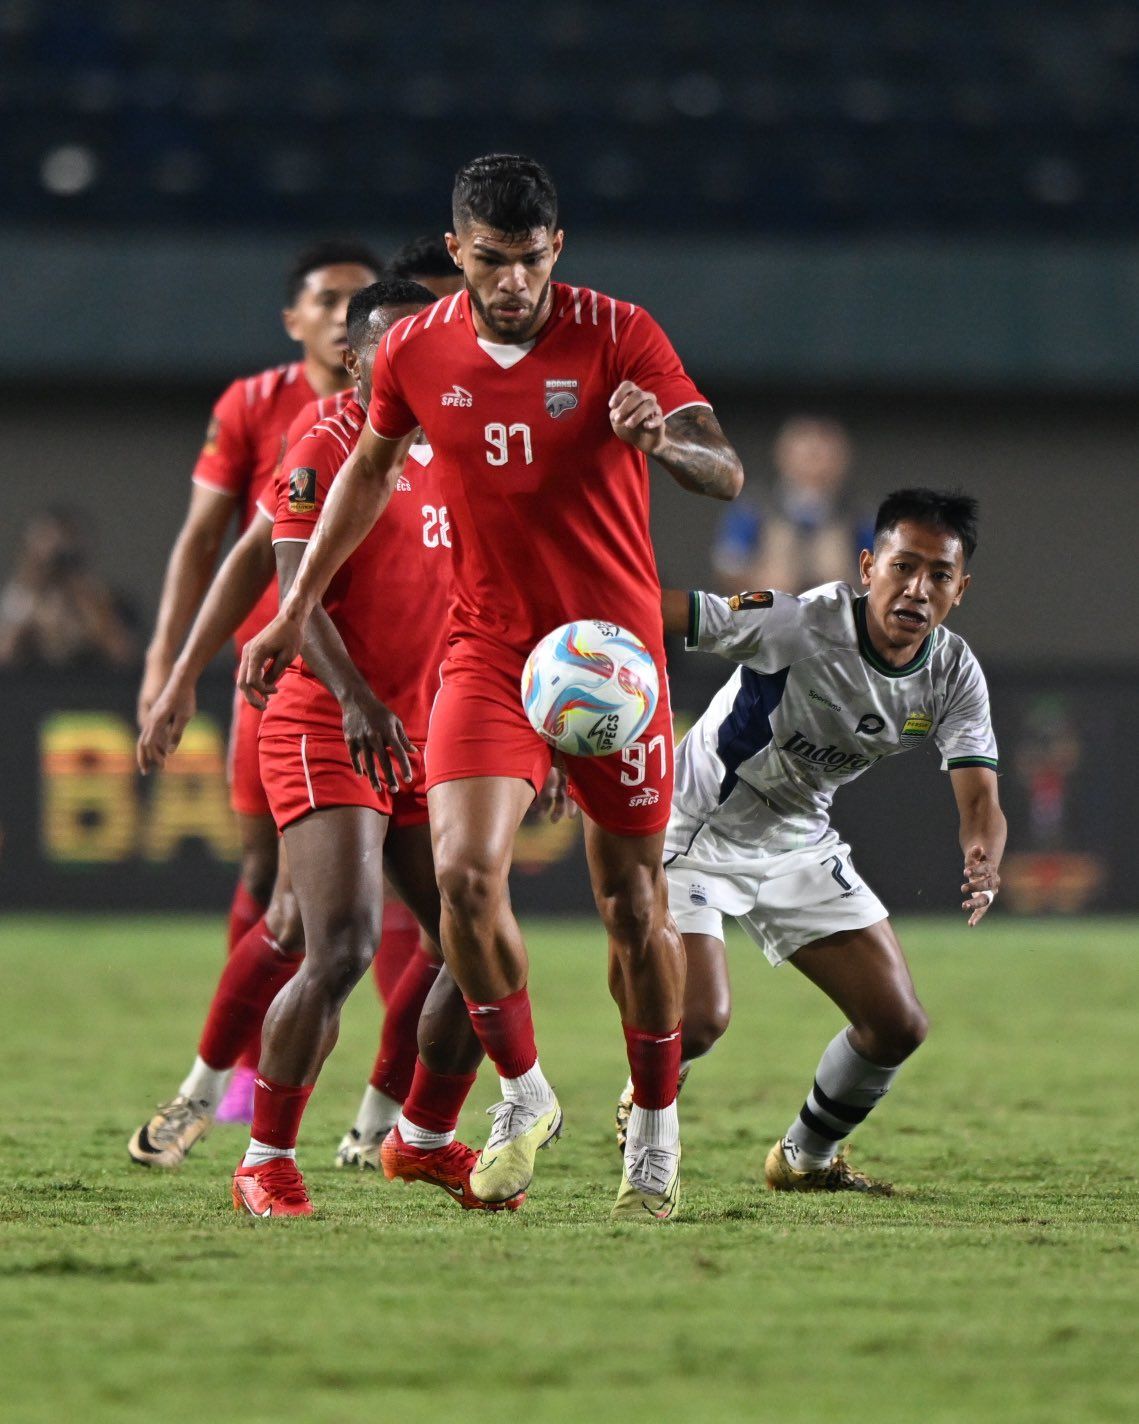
pixel 590 688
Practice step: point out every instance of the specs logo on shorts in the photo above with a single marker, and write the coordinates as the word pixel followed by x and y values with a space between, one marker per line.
pixel 457 396
pixel 745 602
pixel 648 797
pixel 697 894
pixel 561 398
pixel 302 490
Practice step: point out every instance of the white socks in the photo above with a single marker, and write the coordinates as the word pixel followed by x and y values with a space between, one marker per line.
pixel 420 1137
pixel 258 1152
pixel 653 1127
pixel 376 1116
pixel 205 1085
pixel 530 1088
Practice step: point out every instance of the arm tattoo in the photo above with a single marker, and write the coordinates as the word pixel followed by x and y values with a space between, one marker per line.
pixel 698 456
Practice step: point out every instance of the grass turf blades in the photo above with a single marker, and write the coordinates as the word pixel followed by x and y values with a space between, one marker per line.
pixel 999 1284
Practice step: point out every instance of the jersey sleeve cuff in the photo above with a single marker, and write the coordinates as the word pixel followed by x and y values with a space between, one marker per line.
pixel 959 763
pixel 384 435
pixel 687 405
pixel 692 633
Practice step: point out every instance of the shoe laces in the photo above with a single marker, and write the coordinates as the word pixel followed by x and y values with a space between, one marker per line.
pixel 282 1177
pixel 176 1116
pixel 456 1157
pixel 510 1120
pixel 651 1169
pixel 840 1176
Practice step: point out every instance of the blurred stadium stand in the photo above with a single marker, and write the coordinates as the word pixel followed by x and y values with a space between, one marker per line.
pixel 821 117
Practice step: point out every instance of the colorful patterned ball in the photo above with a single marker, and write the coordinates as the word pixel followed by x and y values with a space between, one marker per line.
pixel 590 688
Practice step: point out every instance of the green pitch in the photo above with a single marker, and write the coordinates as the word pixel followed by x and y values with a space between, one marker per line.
pixel 1000 1284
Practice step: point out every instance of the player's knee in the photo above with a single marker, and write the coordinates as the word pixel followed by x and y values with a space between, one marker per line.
pixel 631 915
pixel 283 921
pixel 471 893
pixel 704 1026
pixel 347 944
pixel 896 1037
pixel 259 871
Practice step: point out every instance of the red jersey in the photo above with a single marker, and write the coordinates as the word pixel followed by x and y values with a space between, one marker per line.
pixel 388 600
pixel 244 444
pixel 550 509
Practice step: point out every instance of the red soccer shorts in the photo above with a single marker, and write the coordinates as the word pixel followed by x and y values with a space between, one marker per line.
pixel 478 728
pixel 304 773
pixel 243 771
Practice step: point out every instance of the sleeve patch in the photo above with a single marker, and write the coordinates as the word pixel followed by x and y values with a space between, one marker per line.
pixel 302 490
pixel 213 430
pixel 742 602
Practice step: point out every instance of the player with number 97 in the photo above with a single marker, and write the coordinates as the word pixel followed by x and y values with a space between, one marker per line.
pixel 541 402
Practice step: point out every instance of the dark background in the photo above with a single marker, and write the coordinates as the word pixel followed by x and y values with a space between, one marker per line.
pixel 919 218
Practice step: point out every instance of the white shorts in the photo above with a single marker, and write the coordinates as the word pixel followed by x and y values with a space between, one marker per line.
pixel 784 899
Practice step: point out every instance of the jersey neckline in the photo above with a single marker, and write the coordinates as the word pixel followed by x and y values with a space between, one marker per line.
pixel 866 647
pixel 535 341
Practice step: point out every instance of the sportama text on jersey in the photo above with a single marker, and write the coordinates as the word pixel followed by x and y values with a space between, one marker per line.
pixel 811 707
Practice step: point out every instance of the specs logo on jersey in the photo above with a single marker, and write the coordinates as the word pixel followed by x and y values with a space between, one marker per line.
pixel 403 484
pixel 869 725
pixel 741 602
pixel 561 398
pixel 457 396
pixel 917 725
pixel 302 490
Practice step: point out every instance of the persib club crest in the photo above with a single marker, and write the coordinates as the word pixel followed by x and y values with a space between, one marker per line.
pixel 561 397
pixel 917 726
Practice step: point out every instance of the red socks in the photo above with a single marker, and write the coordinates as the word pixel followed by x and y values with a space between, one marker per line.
pixel 244 912
pixel 395 1062
pixel 253 974
pixel 398 943
pixel 505 1028
pixel 277 1111
pixel 436 1099
pixel 654 1062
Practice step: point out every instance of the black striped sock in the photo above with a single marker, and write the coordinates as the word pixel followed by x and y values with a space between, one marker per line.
pixel 846 1088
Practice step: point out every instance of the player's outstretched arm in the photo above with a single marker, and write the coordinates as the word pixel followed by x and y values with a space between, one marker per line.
pixel 674 609
pixel 375 735
pixel 232 596
pixel 689 444
pixel 358 497
pixel 188 571
pixel 983 831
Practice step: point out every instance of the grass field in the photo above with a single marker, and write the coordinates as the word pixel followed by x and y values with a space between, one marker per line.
pixel 999 1284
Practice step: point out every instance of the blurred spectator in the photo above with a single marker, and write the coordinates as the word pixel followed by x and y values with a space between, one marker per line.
pixel 54 611
pixel 805 532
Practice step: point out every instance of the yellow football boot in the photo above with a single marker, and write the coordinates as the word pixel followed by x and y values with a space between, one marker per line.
pixel 650 1186
pixel 505 1166
pixel 165 1140
pixel 837 1176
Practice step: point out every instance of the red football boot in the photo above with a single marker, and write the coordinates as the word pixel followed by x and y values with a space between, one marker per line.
pixel 447 1167
pixel 273 1188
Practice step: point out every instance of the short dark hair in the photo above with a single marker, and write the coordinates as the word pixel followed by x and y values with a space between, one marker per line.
pixel 509 193
pixel 326 254
pixel 952 510
pixel 387 292
pixel 423 257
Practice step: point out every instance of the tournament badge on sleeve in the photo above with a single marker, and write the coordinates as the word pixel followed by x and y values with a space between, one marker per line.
pixel 743 602
pixel 302 490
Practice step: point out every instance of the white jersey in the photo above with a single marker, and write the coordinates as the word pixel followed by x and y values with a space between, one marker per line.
pixel 811 707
